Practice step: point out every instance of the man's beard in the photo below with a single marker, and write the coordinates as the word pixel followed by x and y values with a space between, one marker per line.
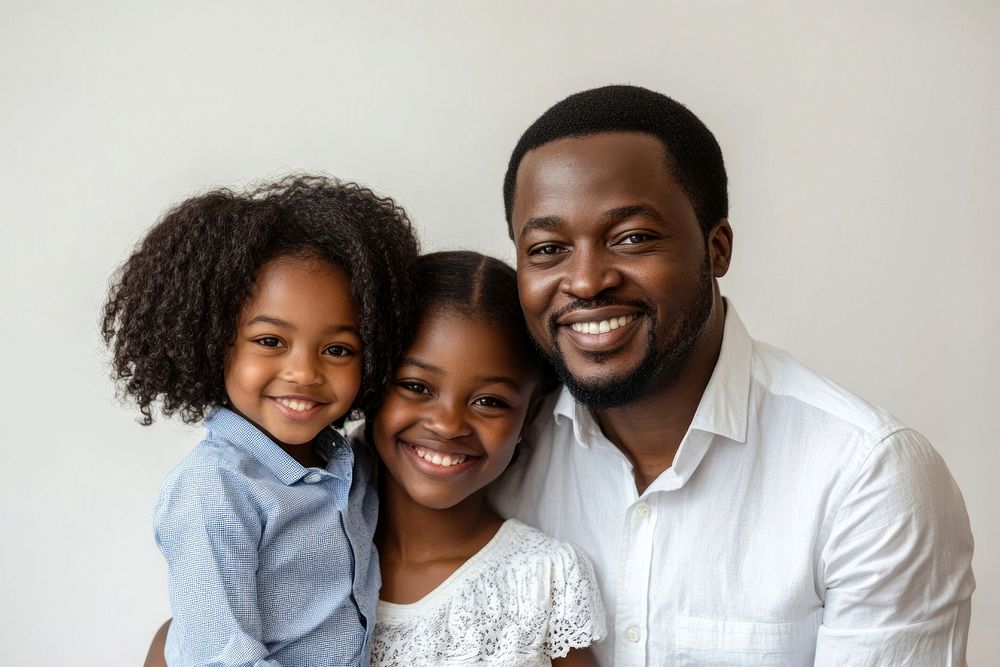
pixel 660 366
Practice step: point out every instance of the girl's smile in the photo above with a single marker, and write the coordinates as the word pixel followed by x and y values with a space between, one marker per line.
pixel 440 462
pixel 295 366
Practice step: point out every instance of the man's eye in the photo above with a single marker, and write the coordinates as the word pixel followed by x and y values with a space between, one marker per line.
pixel 633 239
pixel 338 351
pixel 268 341
pixel 491 402
pixel 545 249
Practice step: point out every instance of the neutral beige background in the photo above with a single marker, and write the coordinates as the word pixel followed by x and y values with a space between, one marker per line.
pixel 862 148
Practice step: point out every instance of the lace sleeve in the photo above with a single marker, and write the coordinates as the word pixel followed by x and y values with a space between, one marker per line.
pixel 578 618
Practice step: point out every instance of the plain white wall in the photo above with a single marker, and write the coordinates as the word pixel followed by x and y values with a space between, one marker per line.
pixel 861 143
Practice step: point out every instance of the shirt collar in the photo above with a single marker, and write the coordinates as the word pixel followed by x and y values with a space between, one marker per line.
pixel 225 424
pixel 724 403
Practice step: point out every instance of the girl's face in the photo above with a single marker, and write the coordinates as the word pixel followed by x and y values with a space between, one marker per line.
pixel 295 366
pixel 454 410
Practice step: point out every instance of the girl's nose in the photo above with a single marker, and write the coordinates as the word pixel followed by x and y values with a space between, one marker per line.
pixel 447 421
pixel 302 369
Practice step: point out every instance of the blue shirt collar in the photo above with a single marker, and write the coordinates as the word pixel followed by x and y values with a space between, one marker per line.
pixel 225 424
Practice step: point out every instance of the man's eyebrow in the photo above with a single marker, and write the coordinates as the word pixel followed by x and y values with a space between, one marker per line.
pixel 544 222
pixel 612 216
pixel 625 212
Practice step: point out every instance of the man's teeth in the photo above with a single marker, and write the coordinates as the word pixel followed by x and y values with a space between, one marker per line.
pixel 603 326
pixel 296 404
pixel 438 459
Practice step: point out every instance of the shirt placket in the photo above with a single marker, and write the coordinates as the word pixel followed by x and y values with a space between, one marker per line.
pixel 632 613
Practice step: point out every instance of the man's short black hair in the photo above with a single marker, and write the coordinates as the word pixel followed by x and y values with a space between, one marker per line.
pixel 693 154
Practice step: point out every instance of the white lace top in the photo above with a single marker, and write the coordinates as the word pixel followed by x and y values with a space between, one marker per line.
pixel 524 599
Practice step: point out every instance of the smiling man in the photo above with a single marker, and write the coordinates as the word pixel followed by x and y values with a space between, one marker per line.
pixel 739 508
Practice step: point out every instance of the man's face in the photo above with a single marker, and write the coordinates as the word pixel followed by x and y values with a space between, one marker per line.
pixel 614 272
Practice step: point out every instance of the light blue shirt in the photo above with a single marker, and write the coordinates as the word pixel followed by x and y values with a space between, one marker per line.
pixel 269 562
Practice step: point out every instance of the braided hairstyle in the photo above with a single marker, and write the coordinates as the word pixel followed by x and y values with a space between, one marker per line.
pixel 482 287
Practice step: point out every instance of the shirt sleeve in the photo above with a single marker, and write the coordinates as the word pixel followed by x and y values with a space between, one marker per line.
pixel 898 563
pixel 208 531
pixel 577 616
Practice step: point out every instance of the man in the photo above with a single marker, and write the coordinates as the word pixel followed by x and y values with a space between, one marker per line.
pixel 739 508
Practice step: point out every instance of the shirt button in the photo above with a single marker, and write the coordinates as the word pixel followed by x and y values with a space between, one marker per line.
pixel 632 634
pixel 312 478
pixel 642 509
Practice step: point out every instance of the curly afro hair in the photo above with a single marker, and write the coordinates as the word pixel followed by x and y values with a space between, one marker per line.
pixel 173 306
pixel 693 154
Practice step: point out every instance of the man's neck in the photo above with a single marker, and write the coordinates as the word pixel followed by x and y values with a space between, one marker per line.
pixel 649 431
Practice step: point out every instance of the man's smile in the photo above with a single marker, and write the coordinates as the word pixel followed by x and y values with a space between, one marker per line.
pixel 602 329
pixel 602 326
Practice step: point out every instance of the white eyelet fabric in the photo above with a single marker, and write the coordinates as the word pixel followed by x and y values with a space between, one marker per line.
pixel 524 599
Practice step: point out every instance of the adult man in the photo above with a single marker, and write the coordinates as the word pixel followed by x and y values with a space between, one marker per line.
pixel 739 508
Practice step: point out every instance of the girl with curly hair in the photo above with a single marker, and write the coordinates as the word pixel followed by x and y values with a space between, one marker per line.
pixel 272 315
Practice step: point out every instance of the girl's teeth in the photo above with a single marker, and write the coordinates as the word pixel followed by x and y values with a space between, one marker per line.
pixel 297 405
pixel 604 326
pixel 443 460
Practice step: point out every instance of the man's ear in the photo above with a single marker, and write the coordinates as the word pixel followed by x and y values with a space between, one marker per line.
pixel 720 247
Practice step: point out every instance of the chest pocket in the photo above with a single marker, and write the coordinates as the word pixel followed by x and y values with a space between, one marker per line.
pixel 708 641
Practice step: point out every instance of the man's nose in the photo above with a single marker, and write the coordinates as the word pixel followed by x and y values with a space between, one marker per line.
pixel 590 272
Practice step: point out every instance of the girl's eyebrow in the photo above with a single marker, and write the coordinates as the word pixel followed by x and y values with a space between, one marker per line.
pixel 270 319
pixel 501 379
pixel 278 322
pixel 482 379
pixel 410 361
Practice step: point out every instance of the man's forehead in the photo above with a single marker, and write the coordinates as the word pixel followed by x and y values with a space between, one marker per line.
pixel 594 172
pixel 596 146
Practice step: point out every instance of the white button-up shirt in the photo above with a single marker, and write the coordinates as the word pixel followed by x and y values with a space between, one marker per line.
pixel 797 524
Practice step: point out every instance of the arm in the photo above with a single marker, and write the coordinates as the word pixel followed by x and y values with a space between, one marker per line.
pixel 208 530
pixel 155 657
pixel 578 657
pixel 897 563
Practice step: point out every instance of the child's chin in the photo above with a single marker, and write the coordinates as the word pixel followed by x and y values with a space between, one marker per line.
pixel 437 501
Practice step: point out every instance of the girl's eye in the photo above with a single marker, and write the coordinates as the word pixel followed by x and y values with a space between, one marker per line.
pixel 338 351
pixel 268 341
pixel 414 387
pixel 491 402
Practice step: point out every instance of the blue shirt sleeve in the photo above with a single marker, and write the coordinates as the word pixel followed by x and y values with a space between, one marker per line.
pixel 208 529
